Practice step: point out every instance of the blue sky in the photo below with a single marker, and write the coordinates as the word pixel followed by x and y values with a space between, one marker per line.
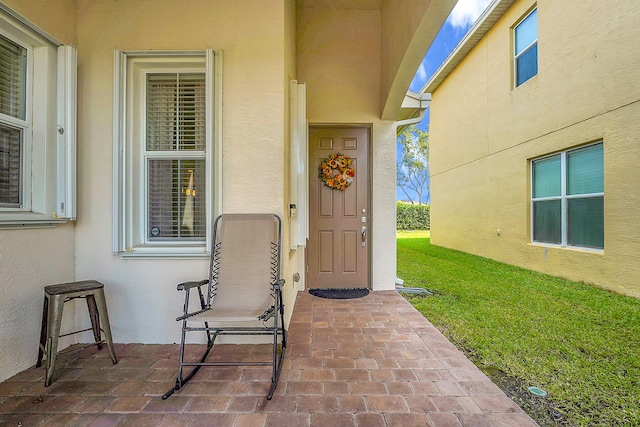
pixel 462 17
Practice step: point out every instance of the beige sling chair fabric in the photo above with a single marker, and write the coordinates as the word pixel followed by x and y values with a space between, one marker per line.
pixel 243 292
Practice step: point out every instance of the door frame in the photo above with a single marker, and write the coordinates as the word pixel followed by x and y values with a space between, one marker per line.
pixel 369 193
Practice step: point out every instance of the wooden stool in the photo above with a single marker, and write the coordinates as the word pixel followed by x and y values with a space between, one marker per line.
pixel 54 298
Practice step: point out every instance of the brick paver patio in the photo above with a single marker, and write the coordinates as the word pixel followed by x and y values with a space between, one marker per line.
pixel 373 361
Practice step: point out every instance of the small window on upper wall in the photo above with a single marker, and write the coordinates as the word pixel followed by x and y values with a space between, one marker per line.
pixel 567 203
pixel 525 61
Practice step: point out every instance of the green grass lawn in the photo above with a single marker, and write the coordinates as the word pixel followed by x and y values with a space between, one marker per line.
pixel 579 343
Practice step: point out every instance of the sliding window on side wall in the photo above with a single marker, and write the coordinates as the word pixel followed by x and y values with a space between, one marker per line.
pixel 567 203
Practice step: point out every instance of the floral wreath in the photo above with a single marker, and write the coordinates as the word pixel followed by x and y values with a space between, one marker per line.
pixel 337 171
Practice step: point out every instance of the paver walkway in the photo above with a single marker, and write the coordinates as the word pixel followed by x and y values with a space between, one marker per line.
pixel 373 361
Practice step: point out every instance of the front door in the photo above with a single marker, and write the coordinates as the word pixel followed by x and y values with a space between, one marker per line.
pixel 338 247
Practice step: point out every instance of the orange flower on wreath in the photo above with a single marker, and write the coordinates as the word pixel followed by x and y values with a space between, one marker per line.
pixel 337 171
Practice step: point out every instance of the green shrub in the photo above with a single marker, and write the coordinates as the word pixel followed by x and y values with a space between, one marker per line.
pixel 412 217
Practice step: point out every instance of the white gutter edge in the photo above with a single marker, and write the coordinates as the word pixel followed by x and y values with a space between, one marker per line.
pixel 415 100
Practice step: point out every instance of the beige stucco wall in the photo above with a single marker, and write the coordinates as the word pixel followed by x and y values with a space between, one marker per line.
pixel 265 44
pixel 56 17
pixel 33 258
pixel 30 260
pixel 484 132
pixel 339 59
pixel 141 293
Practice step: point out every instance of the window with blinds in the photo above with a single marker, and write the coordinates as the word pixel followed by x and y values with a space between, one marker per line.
pixel 37 125
pixel 568 198
pixel 167 152
pixel 13 125
pixel 175 156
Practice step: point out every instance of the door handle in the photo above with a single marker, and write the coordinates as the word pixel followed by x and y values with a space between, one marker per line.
pixel 363 233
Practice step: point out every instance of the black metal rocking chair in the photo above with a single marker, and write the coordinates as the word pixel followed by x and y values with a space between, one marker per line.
pixel 243 293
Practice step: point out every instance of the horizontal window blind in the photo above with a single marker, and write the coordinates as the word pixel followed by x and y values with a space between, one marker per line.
pixel 10 162
pixel 13 93
pixel 176 207
pixel 13 76
pixel 175 112
pixel 547 177
pixel 585 172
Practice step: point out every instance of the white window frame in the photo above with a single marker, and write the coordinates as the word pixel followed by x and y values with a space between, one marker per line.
pixel 49 129
pixel 129 238
pixel 563 197
pixel 525 50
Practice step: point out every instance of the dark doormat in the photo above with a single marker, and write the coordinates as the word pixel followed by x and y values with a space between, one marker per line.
pixel 340 293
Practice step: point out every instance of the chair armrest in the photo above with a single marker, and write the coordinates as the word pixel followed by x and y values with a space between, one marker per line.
pixel 189 285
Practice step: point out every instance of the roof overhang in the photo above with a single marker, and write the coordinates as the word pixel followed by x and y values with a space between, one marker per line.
pixel 408 29
pixel 480 28
pixel 416 101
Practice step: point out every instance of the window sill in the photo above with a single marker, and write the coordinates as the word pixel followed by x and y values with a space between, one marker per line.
pixel 25 220
pixel 546 246
pixel 148 251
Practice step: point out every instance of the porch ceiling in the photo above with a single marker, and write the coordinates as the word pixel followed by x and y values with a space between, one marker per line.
pixel 407 31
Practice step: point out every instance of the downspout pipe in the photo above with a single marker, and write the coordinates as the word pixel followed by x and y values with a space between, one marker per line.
pixel 411 121
pixel 420 101
pixel 414 100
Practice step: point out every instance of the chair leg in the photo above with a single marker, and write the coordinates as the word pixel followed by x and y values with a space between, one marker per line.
pixel 95 319
pixel 278 356
pixel 274 367
pixel 182 380
pixel 43 332
pixel 104 315
pixel 54 320
pixel 284 331
pixel 278 371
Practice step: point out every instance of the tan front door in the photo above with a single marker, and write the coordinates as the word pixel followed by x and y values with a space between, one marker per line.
pixel 338 248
